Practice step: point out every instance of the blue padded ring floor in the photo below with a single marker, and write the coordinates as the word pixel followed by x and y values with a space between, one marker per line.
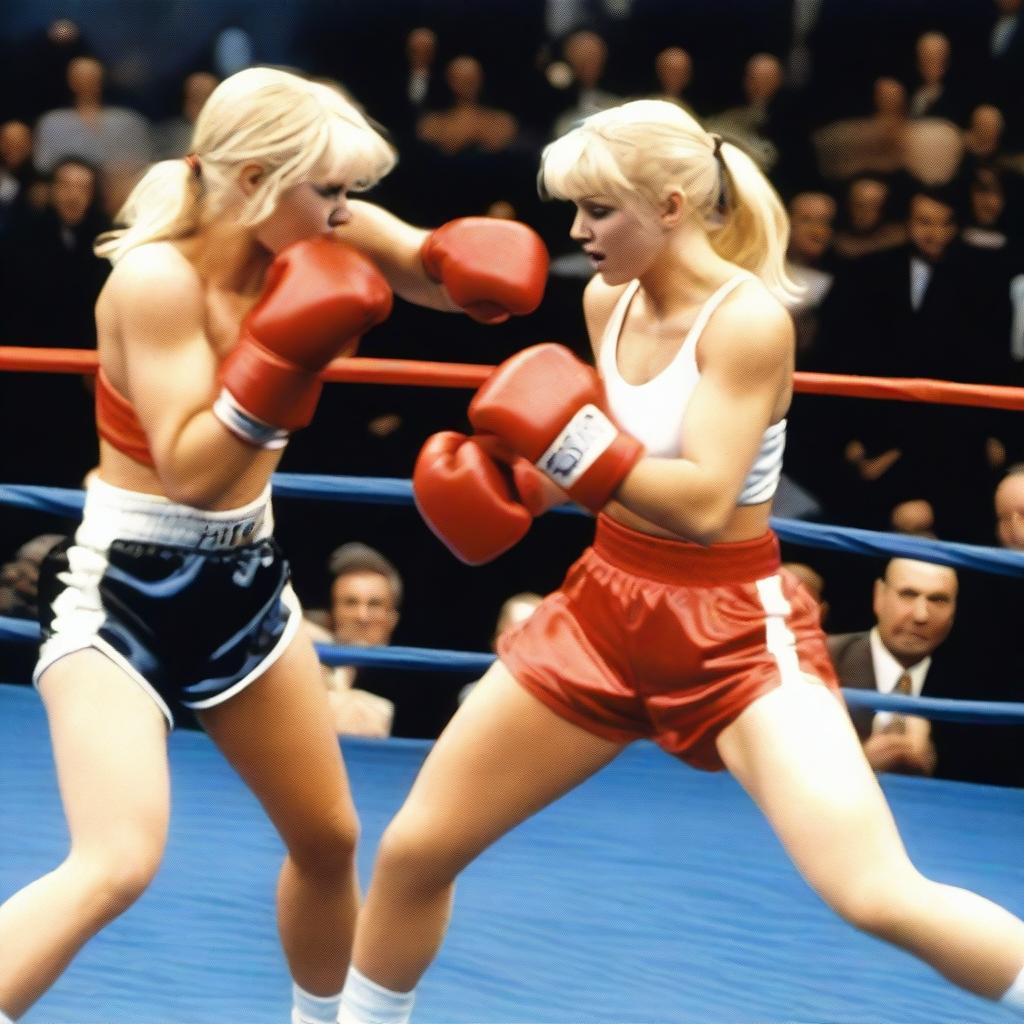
pixel 652 894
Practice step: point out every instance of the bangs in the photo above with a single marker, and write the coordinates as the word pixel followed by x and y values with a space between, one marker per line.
pixel 581 164
pixel 352 152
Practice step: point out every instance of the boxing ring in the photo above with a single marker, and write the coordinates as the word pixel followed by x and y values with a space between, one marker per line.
pixel 653 893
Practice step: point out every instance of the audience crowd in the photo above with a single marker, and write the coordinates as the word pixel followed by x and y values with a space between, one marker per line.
pixel 897 144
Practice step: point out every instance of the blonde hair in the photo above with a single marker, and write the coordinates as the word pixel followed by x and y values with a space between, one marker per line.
pixel 644 149
pixel 292 127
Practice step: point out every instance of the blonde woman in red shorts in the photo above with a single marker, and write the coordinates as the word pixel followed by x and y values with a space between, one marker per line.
pixel 677 624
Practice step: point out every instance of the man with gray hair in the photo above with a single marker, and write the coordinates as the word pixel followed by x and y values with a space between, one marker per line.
pixel 366 593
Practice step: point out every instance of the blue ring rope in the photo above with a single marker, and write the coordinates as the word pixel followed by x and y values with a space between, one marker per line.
pixel 424 659
pixel 391 491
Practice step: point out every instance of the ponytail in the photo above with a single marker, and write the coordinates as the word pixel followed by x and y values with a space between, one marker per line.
pixel 754 232
pixel 163 205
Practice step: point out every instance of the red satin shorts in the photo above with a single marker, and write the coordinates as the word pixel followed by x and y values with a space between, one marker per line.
pixel 667 640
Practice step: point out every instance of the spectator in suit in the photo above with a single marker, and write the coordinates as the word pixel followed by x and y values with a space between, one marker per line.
pixel 914 605
pixel 889 96
pixel 413 87
pixel 48 286
pixel 992 231
pixel 772 124
pixel 932 97
pixel 586 53
pixel 929 309
pixel 753 122
pixel 420 54
pixel 811 217
pixel 811 221
pixel 475 148
pixel 52 278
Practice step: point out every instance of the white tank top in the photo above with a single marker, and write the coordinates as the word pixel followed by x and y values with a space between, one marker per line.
pixel 653 412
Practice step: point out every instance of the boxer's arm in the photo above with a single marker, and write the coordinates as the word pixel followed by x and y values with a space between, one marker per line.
pixel 395 247
pixel 171 376
pixel 489 268
pixel 745 358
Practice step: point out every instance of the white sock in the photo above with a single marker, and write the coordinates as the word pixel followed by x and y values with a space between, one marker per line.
pixel 311 1009
pixel 1013 997
pixel 365 1002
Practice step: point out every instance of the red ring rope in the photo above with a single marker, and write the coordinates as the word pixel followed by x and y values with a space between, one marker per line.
pixel 472 375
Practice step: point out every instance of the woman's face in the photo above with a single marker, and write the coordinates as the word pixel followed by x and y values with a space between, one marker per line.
pixel 303 211
pixel 621 243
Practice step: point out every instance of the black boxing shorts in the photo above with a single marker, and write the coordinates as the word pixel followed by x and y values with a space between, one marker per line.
pixel 192 605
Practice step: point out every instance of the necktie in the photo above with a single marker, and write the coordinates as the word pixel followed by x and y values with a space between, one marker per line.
pixel 898 722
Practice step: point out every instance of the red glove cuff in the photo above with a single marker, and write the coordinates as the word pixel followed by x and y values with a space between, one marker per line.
pixel 269 388
pixel 590 458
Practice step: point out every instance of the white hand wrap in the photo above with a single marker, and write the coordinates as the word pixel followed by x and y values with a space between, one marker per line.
pixel 245 426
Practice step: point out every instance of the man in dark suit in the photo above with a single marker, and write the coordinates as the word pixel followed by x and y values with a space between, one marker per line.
pixel 929 309
pixel 931 95
pixel 914 605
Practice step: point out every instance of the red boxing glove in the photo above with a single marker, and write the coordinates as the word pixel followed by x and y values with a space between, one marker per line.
pixel 319 297
pixel 549 407
pixel 492 268
pixel 466 499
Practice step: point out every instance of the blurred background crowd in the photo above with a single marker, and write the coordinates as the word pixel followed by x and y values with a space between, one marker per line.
pixel 894 132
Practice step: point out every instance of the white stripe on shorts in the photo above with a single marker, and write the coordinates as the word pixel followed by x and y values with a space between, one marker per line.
pixel 778 636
